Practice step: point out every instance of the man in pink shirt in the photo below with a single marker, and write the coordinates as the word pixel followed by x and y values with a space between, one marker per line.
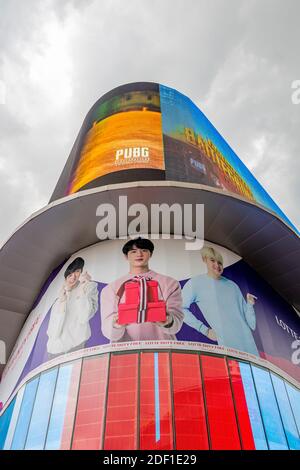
pixel 138 252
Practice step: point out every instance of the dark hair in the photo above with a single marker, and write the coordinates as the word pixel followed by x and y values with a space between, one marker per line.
pixel 78 263
pixel 139 243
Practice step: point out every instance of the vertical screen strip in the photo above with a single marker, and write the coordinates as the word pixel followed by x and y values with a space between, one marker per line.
pixel 157 404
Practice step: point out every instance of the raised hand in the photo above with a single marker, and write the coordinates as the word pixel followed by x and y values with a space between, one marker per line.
pixel 63 293
pixel 251 299
pixel 116 324
pixel 212 335
pixel 85 277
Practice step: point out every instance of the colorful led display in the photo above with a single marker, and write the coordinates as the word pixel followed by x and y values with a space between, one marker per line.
pixel 159 400
pixel 147 131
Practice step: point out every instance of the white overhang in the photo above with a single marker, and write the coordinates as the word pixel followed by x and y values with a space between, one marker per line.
pixel 67 225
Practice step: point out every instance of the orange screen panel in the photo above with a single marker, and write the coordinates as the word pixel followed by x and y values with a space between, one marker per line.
pixel 122 141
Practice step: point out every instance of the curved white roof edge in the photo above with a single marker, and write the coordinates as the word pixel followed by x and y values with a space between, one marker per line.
pixel 137 184
pixel 52 234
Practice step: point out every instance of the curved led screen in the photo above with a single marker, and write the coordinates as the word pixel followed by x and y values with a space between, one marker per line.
pixel 147 131
pixel 153 401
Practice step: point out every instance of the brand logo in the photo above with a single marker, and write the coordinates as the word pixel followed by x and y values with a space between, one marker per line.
pixel 129 155
pixel 198 166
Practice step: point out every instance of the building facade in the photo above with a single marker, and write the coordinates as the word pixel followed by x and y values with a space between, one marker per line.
pixel 222 369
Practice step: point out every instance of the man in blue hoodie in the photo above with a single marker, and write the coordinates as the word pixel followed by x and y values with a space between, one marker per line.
pixel 230 316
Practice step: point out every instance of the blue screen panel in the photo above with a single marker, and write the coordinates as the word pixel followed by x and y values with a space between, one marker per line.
pixel 294 396
pixel 253 408
pixel 269 409
pixel 5 422
pixel 41 411
pixel 58 412
pixel 25 415
pixel 14 419
pixel 287 417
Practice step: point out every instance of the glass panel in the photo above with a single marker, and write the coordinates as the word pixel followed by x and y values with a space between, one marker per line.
pixel 253 407
pixel 25 415
pixel 59 407
pixel 220 409
pixel 241 406
pixel 121 419
pixel 286 413
pixel 189 411
pixel 269 409
pixel 5 420
pixel 41 411
pixel 91 401
pixel 294 396
pixel 155 402
pixel 14 419
pixel 68 425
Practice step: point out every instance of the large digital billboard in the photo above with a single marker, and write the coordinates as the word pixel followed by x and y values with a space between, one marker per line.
pixel 209 301
pixel 196 152
pixel 122 132
pixel 146 131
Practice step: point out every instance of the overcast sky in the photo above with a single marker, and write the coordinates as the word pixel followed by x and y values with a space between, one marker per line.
pixel 236 59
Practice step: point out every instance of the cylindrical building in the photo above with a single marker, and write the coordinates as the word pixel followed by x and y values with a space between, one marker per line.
pixel 194 344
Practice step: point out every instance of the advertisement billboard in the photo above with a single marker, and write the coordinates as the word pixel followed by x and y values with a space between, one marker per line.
pixel 122 132
pixel 195 152
pixel 211 301
pixel 145 131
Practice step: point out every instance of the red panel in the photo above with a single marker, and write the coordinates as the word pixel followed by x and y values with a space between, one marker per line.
pixel 121 418
pixel 241 406
pixel 190 422
pixel 90 410
pixel 71 407
pixel 155 435
pixel 220 409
